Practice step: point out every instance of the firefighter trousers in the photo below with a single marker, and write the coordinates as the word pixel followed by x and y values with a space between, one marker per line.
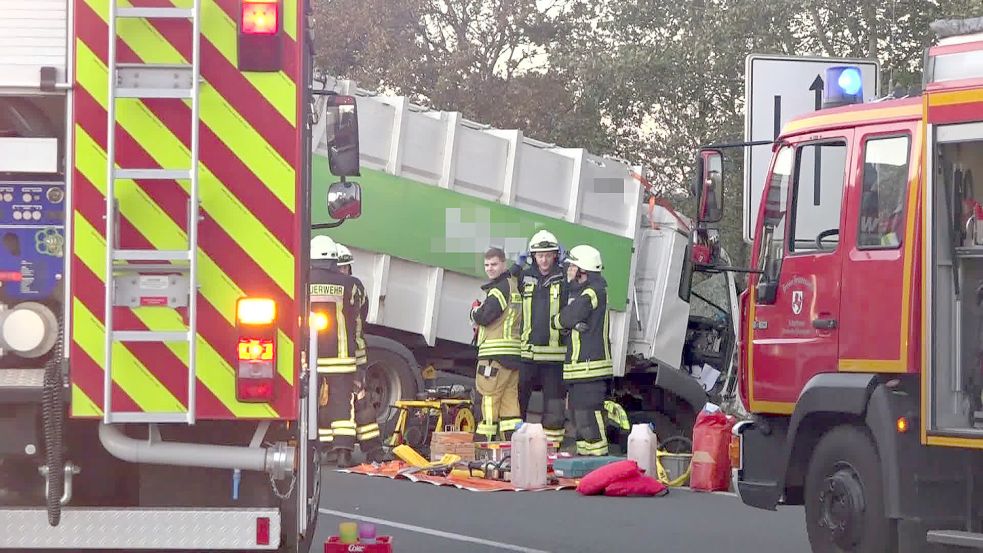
pixel 499 389
pixel 587 403
pixel 549 378
pixel 345 415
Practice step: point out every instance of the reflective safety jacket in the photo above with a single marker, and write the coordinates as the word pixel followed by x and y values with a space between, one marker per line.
pixel 542 298
pixel 335 295
pixel 589 349
pixel 499 320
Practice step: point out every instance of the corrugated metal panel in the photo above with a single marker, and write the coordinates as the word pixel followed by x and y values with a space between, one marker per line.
pixel 33 34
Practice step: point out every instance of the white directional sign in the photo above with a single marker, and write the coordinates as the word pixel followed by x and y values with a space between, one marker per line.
pixel 778 89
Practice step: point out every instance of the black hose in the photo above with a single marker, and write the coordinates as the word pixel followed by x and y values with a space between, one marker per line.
pixel 52 407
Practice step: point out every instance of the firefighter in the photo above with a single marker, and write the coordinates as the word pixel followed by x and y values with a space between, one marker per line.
pixel 499 322
pixel 334 302
pixel 588 367
pixel 544 291
pixel 367 431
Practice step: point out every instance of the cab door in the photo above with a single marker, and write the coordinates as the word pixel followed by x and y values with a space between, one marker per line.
pixel 795 304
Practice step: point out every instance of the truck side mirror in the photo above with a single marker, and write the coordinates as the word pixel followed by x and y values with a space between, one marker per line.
pixel 709 190
pixel 343 155
pixel 766 290
pixel 345 200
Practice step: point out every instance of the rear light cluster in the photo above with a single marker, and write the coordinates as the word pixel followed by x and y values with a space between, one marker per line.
pixel 256 350
pixel 260 36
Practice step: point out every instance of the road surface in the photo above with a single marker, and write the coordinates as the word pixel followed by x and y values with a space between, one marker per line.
pixel 424 518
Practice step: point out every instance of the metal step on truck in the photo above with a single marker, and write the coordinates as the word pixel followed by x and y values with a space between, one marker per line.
pixel 441 189
pixel 154 229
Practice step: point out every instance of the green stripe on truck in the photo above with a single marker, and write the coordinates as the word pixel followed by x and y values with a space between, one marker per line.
pixel 438 227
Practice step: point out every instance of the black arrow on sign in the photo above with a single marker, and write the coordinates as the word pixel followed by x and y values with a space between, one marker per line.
pixel 817 86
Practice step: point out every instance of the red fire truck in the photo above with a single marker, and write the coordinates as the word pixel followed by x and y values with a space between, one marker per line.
pixel 155 206
pixel 861 349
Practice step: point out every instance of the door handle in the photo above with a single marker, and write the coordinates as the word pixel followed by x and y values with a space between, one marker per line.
pixel 824 324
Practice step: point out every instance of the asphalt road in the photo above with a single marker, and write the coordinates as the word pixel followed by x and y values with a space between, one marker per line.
pixel 423 518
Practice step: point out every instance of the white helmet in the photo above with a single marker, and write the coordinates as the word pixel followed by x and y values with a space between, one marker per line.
pixel 543 241
pixel 323 247
pixel 587 258
pixel 345 256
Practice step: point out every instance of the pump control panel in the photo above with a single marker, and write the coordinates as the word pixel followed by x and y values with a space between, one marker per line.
pixel 32 240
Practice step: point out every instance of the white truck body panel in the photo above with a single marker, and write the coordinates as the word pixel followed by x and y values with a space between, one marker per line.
pixel 33 34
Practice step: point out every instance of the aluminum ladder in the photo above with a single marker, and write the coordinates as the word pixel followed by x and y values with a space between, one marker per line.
pixel 151 81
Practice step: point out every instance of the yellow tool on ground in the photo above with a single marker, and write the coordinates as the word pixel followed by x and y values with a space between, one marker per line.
pixel 414 459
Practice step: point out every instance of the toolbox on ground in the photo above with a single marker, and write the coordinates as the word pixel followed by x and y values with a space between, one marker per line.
pixel 575 467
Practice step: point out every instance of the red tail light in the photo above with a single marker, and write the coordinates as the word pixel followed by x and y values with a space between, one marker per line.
pixel 260 35
pixel 262 531
pixel 256 349
pixel 260 18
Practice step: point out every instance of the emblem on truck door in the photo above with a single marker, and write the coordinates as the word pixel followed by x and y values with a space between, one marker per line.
pixel 797 301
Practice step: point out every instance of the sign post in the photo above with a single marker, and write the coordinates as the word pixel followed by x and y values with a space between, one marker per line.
pixel 778 89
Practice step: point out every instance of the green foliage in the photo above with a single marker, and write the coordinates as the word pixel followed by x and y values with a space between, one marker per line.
pixel 645 80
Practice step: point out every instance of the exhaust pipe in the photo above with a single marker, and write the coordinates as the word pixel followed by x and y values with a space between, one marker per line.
pixel 278 460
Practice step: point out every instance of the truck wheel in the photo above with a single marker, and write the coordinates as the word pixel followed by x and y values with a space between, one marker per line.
pixel 390 375
pixel 844 495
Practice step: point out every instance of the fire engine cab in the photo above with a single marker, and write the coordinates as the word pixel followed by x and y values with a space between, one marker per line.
pixel 862 326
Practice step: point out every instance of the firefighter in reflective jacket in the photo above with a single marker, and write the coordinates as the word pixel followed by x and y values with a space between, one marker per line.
pixel 334 308
pixel 588 366
pixel 544 291
pixel 499 321
pixel 366 426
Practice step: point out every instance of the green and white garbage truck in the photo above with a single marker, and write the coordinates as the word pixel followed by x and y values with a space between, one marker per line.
pixel 438 190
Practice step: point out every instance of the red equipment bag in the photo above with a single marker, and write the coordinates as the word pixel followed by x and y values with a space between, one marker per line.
pixel 597 480
pixel 710 467
pixel 638 485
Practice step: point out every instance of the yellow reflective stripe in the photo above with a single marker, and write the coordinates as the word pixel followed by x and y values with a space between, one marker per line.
pixel 593 297
pixel 160 230
pixel 82 405
pixel 554 308
pixel 575 340
pixel 527 314
pixel 218 201
pixel 214 372
pixel 336 369
pixel 335 361
pixel 131 376
pixel 604 337
pixel 216 112
pixel 339 311
pixel 497 294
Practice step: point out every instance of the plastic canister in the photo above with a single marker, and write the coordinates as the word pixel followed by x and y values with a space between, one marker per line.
pixel 643 448
pixel 529 457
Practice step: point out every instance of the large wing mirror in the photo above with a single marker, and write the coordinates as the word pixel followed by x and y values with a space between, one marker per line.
pixel 342 126
pixel 709 190
pixel 345 200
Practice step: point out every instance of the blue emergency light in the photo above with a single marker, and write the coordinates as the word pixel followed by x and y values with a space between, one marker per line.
pixel 844 86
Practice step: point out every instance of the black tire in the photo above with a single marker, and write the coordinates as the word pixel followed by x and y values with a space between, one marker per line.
pixel 844 495
pixel 391 374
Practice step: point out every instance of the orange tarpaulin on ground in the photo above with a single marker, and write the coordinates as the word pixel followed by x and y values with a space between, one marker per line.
pixel 474 484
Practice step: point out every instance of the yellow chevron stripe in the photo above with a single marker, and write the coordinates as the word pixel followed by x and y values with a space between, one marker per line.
pixel 212 370
pixel 145 390
pixel 230 127
pixel 160 230
pixel 240 223
pixel 82 405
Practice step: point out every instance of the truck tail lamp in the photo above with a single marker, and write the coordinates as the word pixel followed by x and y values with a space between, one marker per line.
pixel 260 35
pixel 256 349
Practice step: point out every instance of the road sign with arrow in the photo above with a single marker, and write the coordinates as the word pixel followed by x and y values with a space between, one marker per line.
pixel 778 89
